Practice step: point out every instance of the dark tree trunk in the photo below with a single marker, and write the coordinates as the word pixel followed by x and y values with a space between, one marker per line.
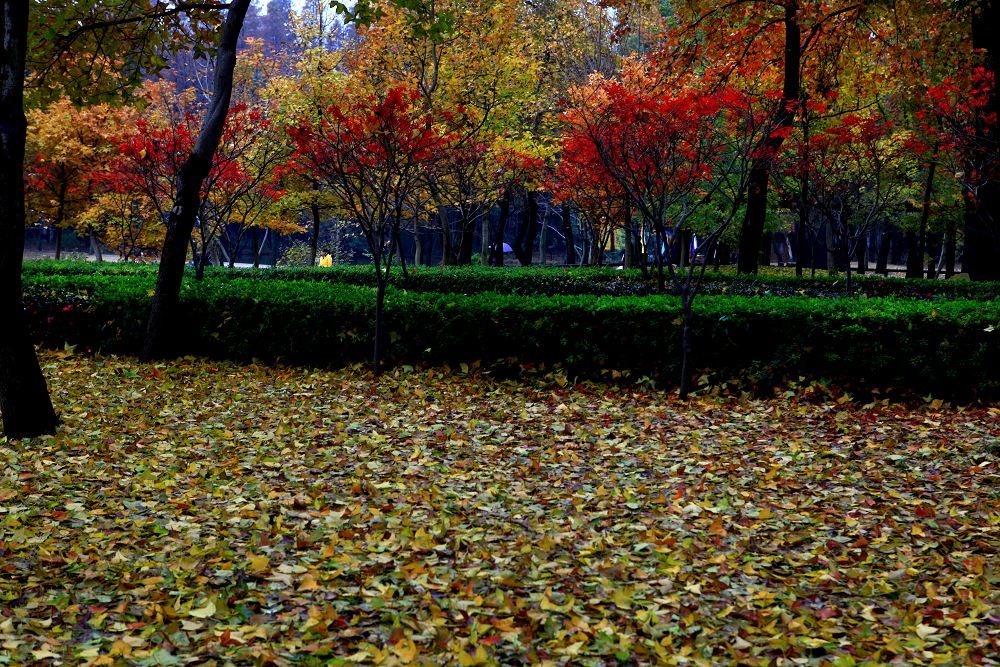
pixel 256 247
pixel 861 254
pixel 524 242
pixel 766 248
pixel 567 223
pixel 628 261
pixel 95 246
pixel 981 259
pixel 496 257
pixel 882 262
pixel 24 397
pixel 949 248
pixel 760 172
pixel 687 343
pixel 914 258
pixel 162 331
pixel 379 323
pixel 933 251
pixel 468 226
pixel 314 239
pixel 914 264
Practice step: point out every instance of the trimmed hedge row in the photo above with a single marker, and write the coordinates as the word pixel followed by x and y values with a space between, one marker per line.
pixel 947 348
pixel 532 281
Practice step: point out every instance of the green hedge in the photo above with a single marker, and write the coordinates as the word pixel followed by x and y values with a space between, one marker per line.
pixel 947 348
pixel 533 281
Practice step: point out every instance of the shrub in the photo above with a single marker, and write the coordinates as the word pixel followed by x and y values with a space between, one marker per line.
pixel 948 348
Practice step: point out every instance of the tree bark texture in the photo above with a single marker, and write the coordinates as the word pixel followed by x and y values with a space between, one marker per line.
pixel 760 171
pixel 981 259
pixel 24 397
pixel 163 330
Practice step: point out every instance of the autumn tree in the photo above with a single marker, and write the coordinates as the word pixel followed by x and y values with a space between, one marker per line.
pixel 66 145
pixel 163 325
pixel 86 50
pixel 369 152
pixel 859 169
pixel 670 153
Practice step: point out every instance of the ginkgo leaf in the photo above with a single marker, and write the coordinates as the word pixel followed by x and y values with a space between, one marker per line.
pixel 204 611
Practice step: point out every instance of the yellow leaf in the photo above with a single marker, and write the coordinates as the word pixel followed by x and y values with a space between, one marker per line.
pixel 43 653
pixel 925 631
pixel 258 563
pixel 360 656
pixel 406 650
pixel 120 648
pixel 308 583
pixel 479 658
pixel 917 530
pixel 204 612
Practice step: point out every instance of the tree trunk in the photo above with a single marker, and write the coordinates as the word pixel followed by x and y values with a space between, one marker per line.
pixel 448 257
pixel 914 265
pixel 314 239
pixel 861 254
pixel 379 324
pixel 484 242
pixel 497 256
pixel 687 344
pixel 949 248
pixel 981 259
pixel 95 246
pixel 24 397
pixel 467 225
pixel 543 237
pixel 567 223
pixel 163 329
pixel 524 242
pixel 933 252
pixel 914 256
pixel 882 263
pixel 760 172
pixel 628 260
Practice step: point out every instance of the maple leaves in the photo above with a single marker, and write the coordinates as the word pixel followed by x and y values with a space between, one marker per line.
pixel 319 516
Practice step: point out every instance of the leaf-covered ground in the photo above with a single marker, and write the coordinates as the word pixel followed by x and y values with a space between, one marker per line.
pixel 218 514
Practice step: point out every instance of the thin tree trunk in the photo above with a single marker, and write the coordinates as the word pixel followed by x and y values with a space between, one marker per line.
pixel 524 242
pixel 95 246
pixel 543 237
pixel 484 244
pixel 497 258
pixel 162 330
pixel 933 252
pixel 24 397
pixel 628 260
pixel 949 248
pixel 861 253
pixel 914 257
pixel 760 173
pixel 914 265
pixel 687 343
pixel 567 223
pixel 314 239
pixel 379 317
pixel 884 245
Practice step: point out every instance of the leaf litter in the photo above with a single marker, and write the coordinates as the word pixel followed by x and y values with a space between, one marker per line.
pixel 209 513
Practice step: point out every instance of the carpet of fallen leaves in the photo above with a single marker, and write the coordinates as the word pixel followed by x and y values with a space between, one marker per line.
pixel 209 513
